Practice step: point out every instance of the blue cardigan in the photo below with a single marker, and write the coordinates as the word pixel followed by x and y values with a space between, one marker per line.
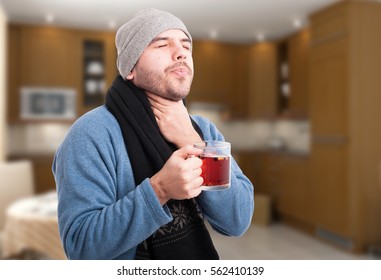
pixel 102 214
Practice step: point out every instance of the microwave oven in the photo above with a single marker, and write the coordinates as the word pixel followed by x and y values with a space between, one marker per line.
pixel 39 103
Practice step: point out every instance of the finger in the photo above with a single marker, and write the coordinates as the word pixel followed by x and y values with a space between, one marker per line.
pixel 159 107
pixel 187 151
pixel 193 163
pixel 157 112
pixel 198 172
pixel 197 185
pixel 198 182
pixel 153 103
pixel 160 115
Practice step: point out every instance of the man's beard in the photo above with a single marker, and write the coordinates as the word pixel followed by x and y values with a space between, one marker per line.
pixel 170 88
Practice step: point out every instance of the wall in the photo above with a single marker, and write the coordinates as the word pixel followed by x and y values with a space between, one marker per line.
pixel 3 25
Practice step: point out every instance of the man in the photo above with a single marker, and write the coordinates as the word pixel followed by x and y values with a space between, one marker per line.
pixel 127 175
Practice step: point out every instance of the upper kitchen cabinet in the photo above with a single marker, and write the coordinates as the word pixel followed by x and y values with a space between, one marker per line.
pixel 298 59
pixel 213 63
pixel 38 57
pixel 221 75
pixel 344 108
pixel 58 58
pixel 295 198
pixel 292 73
pixel 47 57
pixel 329 85
pixel 262 86
pixel 97 66
pixel 13 64
pixel 238 96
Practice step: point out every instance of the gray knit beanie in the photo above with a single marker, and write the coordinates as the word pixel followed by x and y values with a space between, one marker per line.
pixel 135 35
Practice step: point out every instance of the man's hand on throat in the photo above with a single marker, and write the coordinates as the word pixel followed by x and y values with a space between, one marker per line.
pixel 173 120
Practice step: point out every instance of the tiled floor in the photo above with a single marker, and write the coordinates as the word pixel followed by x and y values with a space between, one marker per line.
pixel 274 242
pixel 278 242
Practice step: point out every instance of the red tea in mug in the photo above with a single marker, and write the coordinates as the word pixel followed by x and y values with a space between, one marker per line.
pixel 215 170
pixel 215 167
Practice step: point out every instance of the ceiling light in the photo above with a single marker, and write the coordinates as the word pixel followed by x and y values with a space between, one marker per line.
pixel 260 37
pixel 49 18
pixel 213 34
pixel 297 23
pixel 112 24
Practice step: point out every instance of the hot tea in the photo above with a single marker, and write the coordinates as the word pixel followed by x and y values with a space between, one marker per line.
pixel 215 167
pixel 215 171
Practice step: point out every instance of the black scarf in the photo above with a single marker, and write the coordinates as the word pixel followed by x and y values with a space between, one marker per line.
pixel 186 236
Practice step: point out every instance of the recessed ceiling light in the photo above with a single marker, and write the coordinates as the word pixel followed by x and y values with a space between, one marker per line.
pixel 260 37
pixel 213 34
pixel 112 24
pixel 297 22
pixel 49 18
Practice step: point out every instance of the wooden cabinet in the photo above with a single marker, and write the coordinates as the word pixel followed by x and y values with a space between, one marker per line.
pixel 39 57
pixel 329 113
pixel 47 57
pixel 329 188
pixel 270 176
pixel 97 67
pixel 329 85
pixel 294 189
pixel 298 58
pixel 243 77
pixel 292 74
pixel 262 99
pixel 344 110
pixel 13 76
pixel 52 57
pixel 43 176
pixel 213 64
pixel 251 164
pixel 238 95
pixel 284 178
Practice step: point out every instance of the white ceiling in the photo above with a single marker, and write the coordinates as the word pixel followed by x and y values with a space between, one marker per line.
pixel 230 20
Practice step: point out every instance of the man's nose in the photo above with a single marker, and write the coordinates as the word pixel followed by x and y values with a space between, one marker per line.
pixel 181 57
pixel 180 53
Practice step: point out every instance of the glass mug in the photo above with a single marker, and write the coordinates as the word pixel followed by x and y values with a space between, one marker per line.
pixel 216 165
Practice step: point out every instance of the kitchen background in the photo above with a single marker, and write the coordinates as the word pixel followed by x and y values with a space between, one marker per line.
pixel 300 106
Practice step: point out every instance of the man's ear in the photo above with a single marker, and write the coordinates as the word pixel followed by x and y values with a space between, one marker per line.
pixel 130 76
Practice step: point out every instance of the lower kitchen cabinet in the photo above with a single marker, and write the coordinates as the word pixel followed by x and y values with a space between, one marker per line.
pixel 44 179
pixel 331 198
pixel 284 178
pixel 295 189
pixel 270 171
pixel 250 163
